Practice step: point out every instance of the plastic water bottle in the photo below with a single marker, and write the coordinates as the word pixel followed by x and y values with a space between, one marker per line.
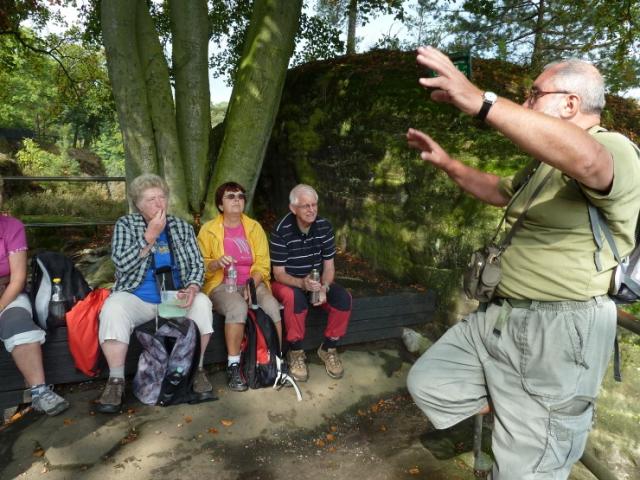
pixel 231 282
pixel 314 297
pixel 170 385
pixel 57 305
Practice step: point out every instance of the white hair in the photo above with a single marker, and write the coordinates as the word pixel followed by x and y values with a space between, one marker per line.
pixel 299 190
pixel 583 78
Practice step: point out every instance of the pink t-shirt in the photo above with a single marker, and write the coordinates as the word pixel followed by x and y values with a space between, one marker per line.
pixel 12 240
pixel 236 245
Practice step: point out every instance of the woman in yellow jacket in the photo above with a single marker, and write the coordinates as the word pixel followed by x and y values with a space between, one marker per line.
pixel 232 238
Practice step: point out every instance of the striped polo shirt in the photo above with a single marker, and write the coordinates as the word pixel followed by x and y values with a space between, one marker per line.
pixel 298 252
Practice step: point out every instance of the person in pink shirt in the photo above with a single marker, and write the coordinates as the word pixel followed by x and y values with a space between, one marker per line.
pixel 21 336
pixel 234 238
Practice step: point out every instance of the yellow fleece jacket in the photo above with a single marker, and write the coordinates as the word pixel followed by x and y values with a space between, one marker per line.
pixel 211 243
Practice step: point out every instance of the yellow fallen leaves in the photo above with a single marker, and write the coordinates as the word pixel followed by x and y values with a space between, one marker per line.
pixel 212 430
pixel 226 423
pixel 414 471
pixel 38 452
pixel 188 419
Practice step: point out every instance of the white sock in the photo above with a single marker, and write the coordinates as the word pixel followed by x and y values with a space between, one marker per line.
pixel 231 359
pixel 116 372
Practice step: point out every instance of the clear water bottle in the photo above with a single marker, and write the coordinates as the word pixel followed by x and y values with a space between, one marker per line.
pixel 57 305
pixel 314 297
pixel 231 282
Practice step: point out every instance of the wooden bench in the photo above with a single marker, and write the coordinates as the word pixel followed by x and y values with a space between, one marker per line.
pixel 373 318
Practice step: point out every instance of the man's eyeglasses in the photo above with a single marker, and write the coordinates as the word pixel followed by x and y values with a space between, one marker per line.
pixel 308 206
pixel 232 196
pixel 534 94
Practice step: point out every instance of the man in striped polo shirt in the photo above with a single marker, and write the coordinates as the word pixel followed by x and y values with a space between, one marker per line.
pixel 301 242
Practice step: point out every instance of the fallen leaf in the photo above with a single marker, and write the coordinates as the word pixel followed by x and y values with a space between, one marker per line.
pixel 131 411
pixel 226 423
pixel 330 437
pixel 362 413
pixel 188 419
pixel 68 421
pixel 213 430
pixel 383 428
pixel 319 443
pixel 414 471
pixel 333 428
pixel 374 408
pixel 331 449
pixel 38 452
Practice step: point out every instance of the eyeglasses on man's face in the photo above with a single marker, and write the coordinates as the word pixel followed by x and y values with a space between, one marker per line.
pixel 535 93
pixel 308 206
pixel 235 196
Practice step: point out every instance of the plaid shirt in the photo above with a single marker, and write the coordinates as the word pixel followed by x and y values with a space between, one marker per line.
pixel 128 240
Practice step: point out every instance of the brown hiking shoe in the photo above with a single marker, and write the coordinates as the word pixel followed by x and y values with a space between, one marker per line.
pixel 297 367
pixel 332 362
pixel 111 399
pixel 201 383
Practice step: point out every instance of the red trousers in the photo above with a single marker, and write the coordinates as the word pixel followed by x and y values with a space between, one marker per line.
pixel 296 305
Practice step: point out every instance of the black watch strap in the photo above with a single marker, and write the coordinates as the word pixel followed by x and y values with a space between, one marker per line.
pixel 488 99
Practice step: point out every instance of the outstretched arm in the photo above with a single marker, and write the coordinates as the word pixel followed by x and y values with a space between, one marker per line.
pixel 481 185
pixel 562 143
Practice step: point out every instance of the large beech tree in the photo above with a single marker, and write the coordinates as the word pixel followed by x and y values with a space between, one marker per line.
pixel 171 137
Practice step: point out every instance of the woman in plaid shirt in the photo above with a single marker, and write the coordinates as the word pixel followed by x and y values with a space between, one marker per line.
pixel 144 242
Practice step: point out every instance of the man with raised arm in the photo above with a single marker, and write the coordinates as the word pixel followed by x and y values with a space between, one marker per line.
pixel 539 349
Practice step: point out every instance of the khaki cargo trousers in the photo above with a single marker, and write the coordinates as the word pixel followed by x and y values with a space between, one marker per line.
pixel 540 363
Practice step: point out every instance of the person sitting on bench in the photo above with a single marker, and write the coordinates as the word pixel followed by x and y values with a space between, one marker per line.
pixel 143 243
pixel 234 238
pixel 21 336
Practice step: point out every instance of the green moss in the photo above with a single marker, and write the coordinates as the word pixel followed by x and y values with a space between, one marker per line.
pixel 342 128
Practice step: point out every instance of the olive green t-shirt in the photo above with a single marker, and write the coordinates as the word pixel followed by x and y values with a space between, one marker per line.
pixel 551 256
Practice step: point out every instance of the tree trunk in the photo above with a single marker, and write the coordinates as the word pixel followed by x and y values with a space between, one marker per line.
pixel 256 95
pixel 190 40
pixel 351 28
pixel 538 39
pixel 129 89
pixel 161 109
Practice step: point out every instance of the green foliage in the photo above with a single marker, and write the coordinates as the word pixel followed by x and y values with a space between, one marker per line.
pixel 34 161
pixel 218 112
pixel 535 32
pixel 110 148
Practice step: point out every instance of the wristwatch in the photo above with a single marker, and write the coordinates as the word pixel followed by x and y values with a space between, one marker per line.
pixel 488 99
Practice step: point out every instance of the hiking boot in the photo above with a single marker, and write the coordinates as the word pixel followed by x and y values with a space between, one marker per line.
pixel 332 362
pixel 111 399
pixel 49 402
pixel 297 367
pixel 236 382
pixel 201 383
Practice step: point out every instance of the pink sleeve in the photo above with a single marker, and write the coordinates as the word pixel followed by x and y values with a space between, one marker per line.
pixel 15 236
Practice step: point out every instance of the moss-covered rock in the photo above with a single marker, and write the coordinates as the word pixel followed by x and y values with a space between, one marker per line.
pixel 341 127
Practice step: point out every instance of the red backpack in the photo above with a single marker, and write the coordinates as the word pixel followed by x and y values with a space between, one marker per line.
pixel 82 331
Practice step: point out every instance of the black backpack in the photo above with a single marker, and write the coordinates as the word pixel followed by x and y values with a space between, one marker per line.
pixel 46 266
pixel 168 363
pixel 261 361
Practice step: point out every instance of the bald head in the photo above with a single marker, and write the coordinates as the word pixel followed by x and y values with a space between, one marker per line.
pixel 582 78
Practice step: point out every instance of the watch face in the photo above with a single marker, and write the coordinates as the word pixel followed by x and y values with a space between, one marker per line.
pixel 490 97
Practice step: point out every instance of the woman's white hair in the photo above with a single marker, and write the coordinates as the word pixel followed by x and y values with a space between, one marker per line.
pixel 144 182
pixel 583 78
pixel 299 190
